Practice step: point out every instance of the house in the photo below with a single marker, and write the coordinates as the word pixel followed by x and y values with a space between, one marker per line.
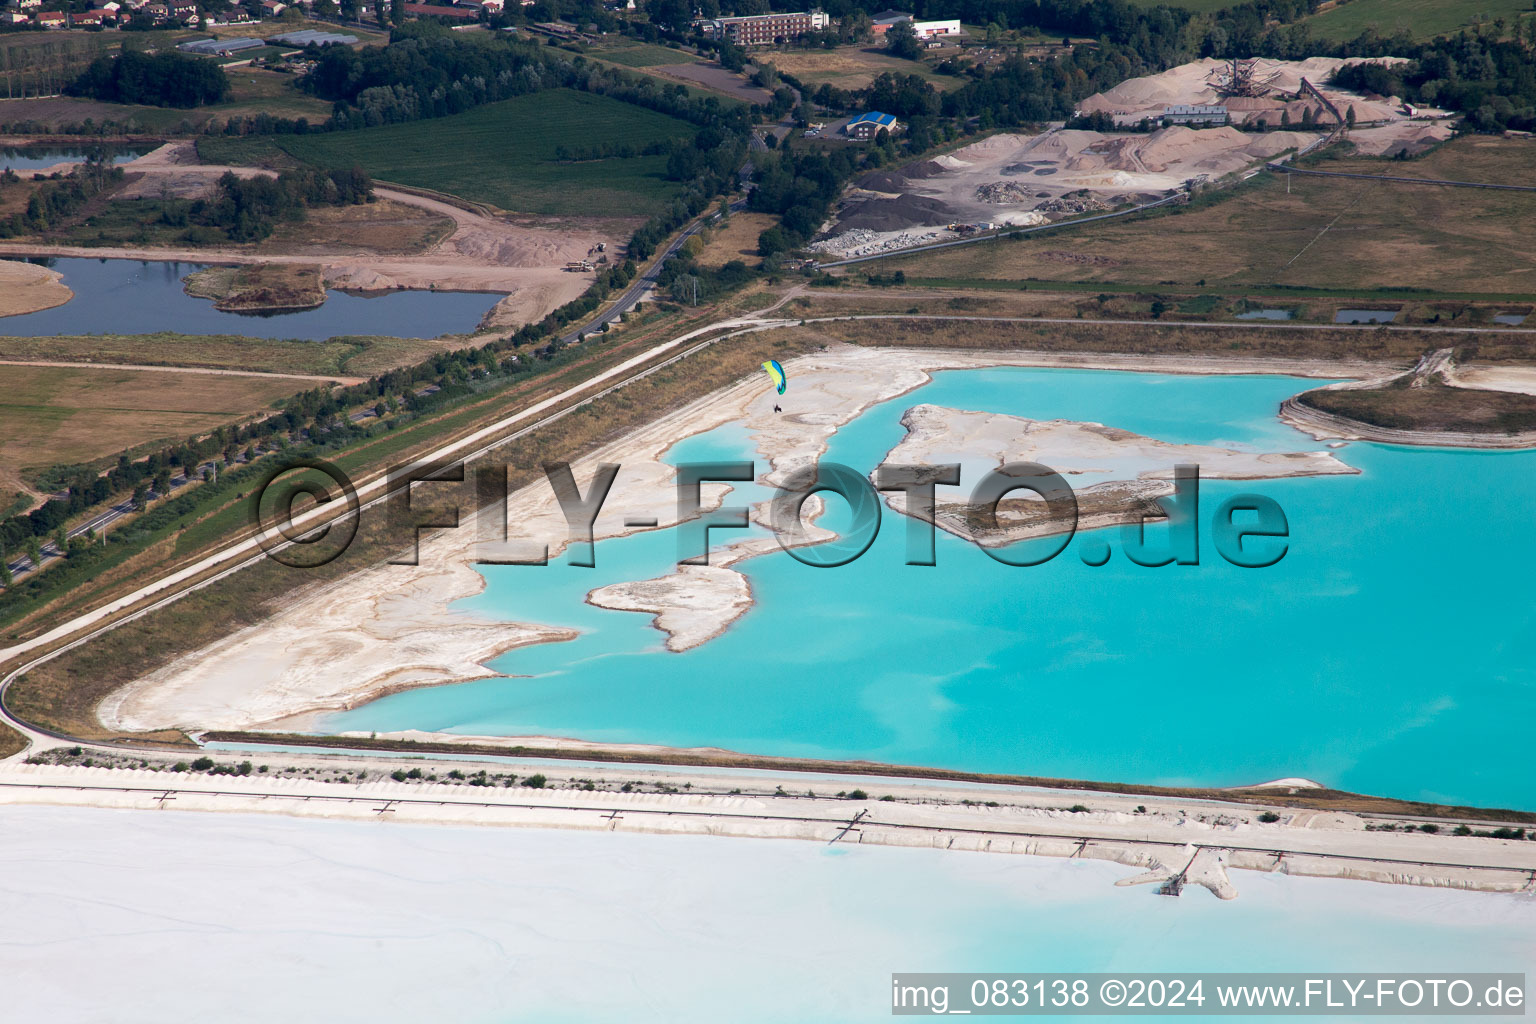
pixel 51 19
pixel 111 7
pixel 14 18
pixel 1196 114
pixel 27 5
pixel 866 126
pixel 183 8
pixel 272 8
pixel 86 18
pixel 763 29
pixel 492 6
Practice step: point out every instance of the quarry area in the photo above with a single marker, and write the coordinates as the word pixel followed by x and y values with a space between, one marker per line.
pixel 1016 180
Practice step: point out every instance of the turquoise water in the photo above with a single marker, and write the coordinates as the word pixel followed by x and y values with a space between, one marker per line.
pixel 1266 314
pixel 1392 651
pixel 139 297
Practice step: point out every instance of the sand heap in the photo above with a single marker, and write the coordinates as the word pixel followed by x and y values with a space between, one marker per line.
pixel 1027 179
pixel 1194 83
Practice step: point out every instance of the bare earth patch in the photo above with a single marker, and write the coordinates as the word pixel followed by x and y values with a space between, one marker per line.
pixel 27 288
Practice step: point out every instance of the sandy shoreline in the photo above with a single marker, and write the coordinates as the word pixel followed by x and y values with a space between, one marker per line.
pixel 28 288
pixel 483 254
pixel 391 627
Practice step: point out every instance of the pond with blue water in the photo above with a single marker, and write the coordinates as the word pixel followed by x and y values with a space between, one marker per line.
pixel 1391 651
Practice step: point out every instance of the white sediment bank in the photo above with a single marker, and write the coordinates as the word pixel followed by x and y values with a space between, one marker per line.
pixel 1199 840
pixel 259 918
pixel 390 627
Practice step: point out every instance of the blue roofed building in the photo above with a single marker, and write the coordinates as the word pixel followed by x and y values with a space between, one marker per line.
pixel 866 126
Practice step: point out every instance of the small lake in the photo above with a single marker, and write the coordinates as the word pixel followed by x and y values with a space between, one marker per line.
pixel 33 158
pixel 138 297
pixel 1365 316
pixel 1392 651
pixel 1266 314
pixel 1511 319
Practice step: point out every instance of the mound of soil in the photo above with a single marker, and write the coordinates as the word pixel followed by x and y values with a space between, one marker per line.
pixel 896 214
pixel 883 181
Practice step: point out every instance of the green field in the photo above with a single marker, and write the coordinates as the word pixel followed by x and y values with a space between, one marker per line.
pixel 642 55
pixel 502 154
pixel 1423 18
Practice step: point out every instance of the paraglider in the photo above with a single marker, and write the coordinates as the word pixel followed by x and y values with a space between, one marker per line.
pixel 776 374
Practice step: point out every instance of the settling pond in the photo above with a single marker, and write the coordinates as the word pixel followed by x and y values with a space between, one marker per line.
pixel 114 296
pixel 1392 651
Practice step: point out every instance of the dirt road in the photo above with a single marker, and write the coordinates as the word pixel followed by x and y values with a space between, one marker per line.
pixel 484 253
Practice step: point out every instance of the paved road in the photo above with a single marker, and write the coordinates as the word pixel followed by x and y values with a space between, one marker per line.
pixel 370 493
pixel 626 301
pixel 644 282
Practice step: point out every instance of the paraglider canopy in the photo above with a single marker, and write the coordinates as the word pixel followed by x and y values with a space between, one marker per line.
pixel 776 374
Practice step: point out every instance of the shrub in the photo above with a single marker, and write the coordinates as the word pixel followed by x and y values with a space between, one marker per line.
pixel 535 781
pixel 1269 817
pixel 202 764
pixel 858 794
pixel 1078 809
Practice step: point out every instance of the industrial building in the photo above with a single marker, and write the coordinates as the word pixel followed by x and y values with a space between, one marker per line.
pixel 867 126
pixel 309 35
pixel 882 22
pixel 763 29
pixel 220 46
pixel 1196 114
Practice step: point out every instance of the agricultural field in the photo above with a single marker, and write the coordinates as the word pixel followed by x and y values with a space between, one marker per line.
pixel 53 414
pixel 502 154
pixel 1335 234
pixel 635 54
pixel 852 67
pixel 1423 19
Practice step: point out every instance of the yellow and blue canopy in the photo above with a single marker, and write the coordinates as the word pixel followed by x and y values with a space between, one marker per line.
pixel 776 374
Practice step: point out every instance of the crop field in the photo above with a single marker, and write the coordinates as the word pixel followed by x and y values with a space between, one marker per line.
pixel 1323 234
pixel 634 54
pixel 54 414
pixel 503 154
